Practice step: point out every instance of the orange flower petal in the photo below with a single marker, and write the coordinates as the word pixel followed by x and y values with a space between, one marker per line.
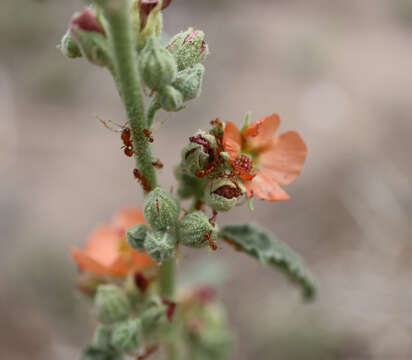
pixel 282 161
pixel 103 245
pixel 86 263
pixel 127 218
pixel 121 267
pixel 260 132
pixel 141 260
pixel 134 261
pixel 103 253
pixel 265 188
pixel 232 140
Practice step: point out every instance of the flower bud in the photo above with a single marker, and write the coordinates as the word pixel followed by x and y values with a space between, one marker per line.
pixel 102 338
pixel 195 230
pixel 222 194
pixel 69 47
pixel 157 66
pixel 160 245
pixel 161 209
pixel 87 21
pixel 188 48
pixel 94 46
pixel 111 304
pixel 170 99
pixel 147 6
pixel 197 154
pixel 135 236
pixel 189 186
pixel 189 82
pixel 127 335
pixel 153 317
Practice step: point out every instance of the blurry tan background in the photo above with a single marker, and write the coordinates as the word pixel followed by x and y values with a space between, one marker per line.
pixel 337 71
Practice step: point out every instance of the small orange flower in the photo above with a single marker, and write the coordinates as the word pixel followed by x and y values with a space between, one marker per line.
pixel 262 161
pixel 106 251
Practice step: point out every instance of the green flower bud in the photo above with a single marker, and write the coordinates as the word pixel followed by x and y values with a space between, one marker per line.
pixel 195 230
pixel 69 47
pixel 170 99
pixel 215 343
pixel 102 338
pixel 160 245
pixel 189 82
pixel 111 304
pixel 161 209
pixel 93 45
pixel 222 194
pixel 127 335
pixel 196 155
pixel 93 353
pixel 153 317
pixel 157 66
pixel 135 236
pixel 189 186
pixel 188 48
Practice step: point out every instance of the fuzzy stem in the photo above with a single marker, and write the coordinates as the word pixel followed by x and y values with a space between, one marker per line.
pixel 128 80
pixel 153 108
pixel 167 279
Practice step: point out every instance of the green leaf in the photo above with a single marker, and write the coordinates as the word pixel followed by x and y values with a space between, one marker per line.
pixel 264 246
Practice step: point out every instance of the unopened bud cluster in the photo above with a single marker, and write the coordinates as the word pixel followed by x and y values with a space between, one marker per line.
pixel 206 173
pixel 172 73
pixel 123 327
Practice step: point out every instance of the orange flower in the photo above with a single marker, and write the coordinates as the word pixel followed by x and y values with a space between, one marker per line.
pixel 262 161
pixel 106 250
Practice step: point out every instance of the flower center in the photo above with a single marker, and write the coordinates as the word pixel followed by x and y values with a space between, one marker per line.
pixel 123 246
pixel 244 163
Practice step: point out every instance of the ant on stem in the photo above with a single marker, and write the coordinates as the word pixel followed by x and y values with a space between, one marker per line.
pixel 126 136
pixel 141 178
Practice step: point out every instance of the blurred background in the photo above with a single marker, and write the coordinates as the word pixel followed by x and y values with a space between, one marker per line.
pixel 339 72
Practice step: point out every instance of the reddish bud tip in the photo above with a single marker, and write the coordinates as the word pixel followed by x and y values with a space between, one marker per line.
pixel 171 308
pixel 86 21
pixel 202 47
pixel 205 293
pixel 141 282
pixel 146 6
pixel 191 36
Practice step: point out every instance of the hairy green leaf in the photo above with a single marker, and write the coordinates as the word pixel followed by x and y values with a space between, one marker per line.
pixel 264 246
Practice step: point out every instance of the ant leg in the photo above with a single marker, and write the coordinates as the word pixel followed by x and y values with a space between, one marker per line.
pixel 106 125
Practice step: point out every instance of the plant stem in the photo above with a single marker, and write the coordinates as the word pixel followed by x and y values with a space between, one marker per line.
pixel 128 80
pixel 167 278
pixel 153 108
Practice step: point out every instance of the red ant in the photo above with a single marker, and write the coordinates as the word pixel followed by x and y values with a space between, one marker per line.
pixel 157 164
pixel 232 243
pixel 126 136
pixel 149 351
pixel 127 142
pixel 142 180
pixel 209 169
pixel 212 222
pixel 216 122
pixel 212 245
pixel 148 134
